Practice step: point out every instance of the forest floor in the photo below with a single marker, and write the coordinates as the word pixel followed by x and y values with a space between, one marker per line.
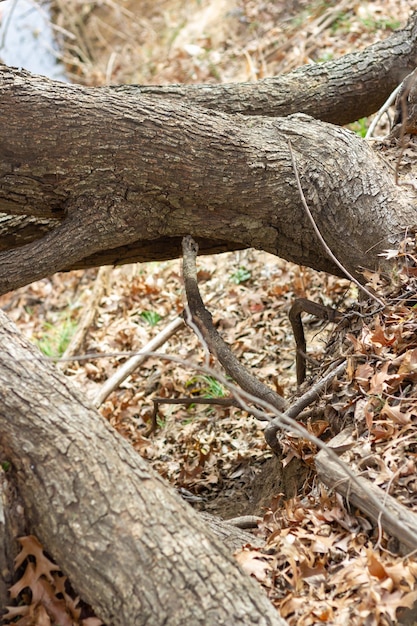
pixel 324 562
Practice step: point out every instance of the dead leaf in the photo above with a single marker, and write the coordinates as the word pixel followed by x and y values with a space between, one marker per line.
pixel 254 563
pixel 363 373
pixel 32 547
pixel 395 414
pixel 375 566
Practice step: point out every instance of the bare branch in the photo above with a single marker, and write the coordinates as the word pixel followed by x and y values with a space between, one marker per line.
pixel 281 421
pixel 400 520
pixel 217 346
pixel 313 392
pixel 187 402
pixel 302 305
pixel 127 368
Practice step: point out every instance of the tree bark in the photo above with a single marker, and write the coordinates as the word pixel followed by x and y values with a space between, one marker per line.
pixel 125 173
pixel 339 91
pixel 134 550
pixel 12 525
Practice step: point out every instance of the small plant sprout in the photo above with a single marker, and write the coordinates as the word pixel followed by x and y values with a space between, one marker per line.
pixel 206 387
pixel 241 275
pixel 56 337
pixel 151 317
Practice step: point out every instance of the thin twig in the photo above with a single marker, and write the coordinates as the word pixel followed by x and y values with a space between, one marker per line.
pixel 7 24
pixel 286 423
pixel 275 425
pixel 313 393
pixel 319 235
pixel 197 400
pixel 388 102
pixel 127 368
pixel 372 497
pixel 186 402
pixel 346 475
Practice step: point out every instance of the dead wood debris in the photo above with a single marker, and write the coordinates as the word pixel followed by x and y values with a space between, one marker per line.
pixel 201 319
pixel 403 523
pixel 302 305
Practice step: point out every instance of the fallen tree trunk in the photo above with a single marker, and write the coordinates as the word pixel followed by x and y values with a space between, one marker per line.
pixel 139 554
pixel 125 173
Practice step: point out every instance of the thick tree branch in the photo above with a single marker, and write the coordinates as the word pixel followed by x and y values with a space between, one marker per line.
pixel 139 173
pixel 339 91
pixel 332 91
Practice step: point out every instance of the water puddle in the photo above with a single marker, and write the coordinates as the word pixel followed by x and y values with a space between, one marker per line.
pixel 27 39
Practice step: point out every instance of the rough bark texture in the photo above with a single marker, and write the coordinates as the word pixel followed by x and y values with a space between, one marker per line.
pixel 125 172
pixel 136 552
pixel 12 525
